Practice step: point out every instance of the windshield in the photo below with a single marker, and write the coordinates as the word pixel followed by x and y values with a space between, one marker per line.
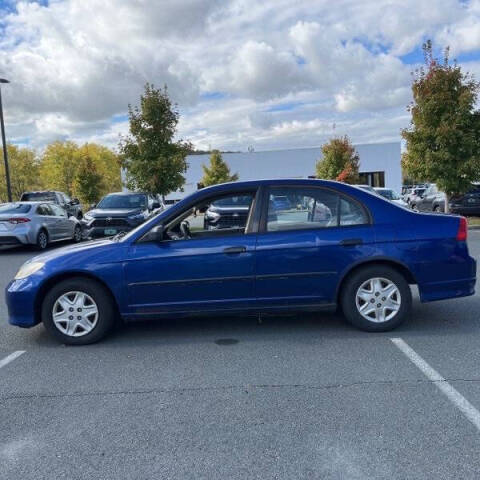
pixel 12 208
pixel 123 201
pixel 38 197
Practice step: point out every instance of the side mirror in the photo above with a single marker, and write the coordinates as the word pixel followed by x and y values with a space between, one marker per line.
pixel 154 235
pixel 75 201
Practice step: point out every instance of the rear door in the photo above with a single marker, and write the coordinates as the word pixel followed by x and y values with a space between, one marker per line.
pixel 426 205
pixel 63 225
pixel 49 220
pixel 302 250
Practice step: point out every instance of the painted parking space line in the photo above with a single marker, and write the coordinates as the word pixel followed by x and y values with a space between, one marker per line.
pixel 10 358
pixel 448 390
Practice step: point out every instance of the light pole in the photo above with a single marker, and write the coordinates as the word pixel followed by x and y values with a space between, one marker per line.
pixel 4 143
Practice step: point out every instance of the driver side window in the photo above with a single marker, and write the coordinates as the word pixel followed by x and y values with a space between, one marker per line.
pixel 219 216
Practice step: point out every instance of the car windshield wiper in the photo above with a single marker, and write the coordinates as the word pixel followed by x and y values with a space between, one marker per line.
pixel 118 236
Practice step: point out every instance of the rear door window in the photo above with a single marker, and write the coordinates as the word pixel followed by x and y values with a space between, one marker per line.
pixel 292 208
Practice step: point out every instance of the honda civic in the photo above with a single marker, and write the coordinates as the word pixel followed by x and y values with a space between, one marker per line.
pixel 361 254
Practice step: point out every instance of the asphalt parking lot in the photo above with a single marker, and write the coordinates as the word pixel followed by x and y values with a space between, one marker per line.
pixel 293 397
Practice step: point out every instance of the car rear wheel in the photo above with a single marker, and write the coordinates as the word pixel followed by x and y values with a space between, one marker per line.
pixel 42 240
pixel 78 311
pixel 376 298
pixel 77 234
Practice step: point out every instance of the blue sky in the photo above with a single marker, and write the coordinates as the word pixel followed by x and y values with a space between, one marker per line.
pixel 273 74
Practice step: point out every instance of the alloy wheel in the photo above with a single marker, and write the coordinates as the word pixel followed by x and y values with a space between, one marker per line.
pixel 42 240
pixel 75 314
pixel 378 300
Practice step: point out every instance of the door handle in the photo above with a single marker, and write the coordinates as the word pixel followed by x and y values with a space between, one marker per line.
pixel 351 242
pixel 233 250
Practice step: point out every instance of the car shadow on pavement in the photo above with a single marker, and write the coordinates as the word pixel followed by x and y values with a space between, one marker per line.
pixel 456 317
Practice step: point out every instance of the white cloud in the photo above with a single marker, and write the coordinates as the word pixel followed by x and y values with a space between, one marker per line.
pixel 274 73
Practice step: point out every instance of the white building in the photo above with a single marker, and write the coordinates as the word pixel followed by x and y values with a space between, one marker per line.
pixel 379 165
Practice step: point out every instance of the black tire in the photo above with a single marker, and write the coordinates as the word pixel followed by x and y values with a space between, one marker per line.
pixel 77 234
pixel 436 209
pixel 107 311
pixel 42 240
pixel 357 279
pixel 79 215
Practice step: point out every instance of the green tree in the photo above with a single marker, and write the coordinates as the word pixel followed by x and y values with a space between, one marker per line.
pixel 59 166
pixel 88 184
pixel 24 172
pixel 218 171
pixel 340 161
pixel 107 164
pixel 442 142
pixel 62 161
pixel 153 160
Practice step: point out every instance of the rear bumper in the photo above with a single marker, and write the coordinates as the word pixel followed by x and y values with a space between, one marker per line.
pixel 8 240
pixel 460 287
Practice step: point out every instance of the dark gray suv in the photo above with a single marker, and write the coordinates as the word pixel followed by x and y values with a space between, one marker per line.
pixel 73 207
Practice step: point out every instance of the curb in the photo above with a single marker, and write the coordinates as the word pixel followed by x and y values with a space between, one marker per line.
pixel 474 227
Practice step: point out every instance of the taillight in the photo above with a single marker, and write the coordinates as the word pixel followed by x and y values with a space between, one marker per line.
pixel 462 230
pixel 16 221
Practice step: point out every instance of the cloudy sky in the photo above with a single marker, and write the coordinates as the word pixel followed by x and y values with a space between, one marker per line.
pixel 271 74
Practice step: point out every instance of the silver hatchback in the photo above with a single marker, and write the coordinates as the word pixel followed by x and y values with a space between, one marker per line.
pixel 36 223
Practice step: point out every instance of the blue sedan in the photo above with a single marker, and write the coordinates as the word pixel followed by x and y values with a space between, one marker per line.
pixel 333 245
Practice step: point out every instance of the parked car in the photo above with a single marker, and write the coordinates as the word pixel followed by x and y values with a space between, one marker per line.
pixel 364 258
pixel 73 207
pixel 36 223
pixel 467 204
pixel 228 212
pixel 414 194
pixel 431 200
pixel 281 202
pixel 391 195
pixel 117 212
pixel 367 188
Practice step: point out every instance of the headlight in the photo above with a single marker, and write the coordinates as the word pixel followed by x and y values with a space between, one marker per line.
pixel 87 217
pixel 28 269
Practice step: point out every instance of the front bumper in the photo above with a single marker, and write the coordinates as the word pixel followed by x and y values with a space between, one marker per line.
pixel 89 230
pixel 20 299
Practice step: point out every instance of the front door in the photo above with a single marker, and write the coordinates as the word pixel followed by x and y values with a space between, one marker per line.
pixel 198 265
pixel 305 244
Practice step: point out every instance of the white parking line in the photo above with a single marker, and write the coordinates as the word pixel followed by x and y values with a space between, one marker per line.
pixel 451 393
pixel 10 358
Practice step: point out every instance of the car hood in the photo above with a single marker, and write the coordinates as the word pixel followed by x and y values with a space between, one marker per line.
pixel 114 212
pixel 75 250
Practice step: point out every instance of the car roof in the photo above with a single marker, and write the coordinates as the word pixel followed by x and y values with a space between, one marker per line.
pixel 126 193
pixel 41 191
pixel 31 202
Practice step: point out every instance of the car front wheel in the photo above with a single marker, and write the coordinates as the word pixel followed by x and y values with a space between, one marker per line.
pixel 376 298
pixel 78 311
